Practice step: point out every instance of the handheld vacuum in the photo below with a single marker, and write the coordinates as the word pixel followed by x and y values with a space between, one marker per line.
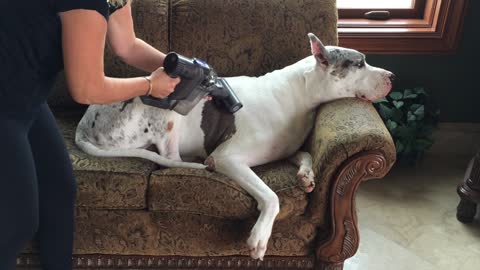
pixel 198 80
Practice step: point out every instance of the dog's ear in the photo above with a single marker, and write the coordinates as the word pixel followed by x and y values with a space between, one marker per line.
pixel 318 50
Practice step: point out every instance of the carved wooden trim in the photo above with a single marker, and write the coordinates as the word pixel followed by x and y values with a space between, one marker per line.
pixel 344 239
pixel 172 262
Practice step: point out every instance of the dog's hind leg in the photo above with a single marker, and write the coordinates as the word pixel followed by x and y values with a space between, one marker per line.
pixel 305 175
pixel 268 203
pixel 93 150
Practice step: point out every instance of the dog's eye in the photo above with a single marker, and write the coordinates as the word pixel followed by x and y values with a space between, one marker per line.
pixel 360 64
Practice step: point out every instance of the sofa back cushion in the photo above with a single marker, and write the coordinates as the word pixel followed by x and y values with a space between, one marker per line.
pixel 250 37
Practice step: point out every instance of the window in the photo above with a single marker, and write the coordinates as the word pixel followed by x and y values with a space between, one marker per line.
pixel 401 26
pixel 395 8
pixel 396 4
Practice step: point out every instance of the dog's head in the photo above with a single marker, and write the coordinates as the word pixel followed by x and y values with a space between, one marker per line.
pixel 348 74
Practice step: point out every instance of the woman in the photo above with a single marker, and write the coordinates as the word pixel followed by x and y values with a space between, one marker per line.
pixel 37 40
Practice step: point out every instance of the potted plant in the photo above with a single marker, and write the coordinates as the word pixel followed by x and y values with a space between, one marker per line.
pixel 410 118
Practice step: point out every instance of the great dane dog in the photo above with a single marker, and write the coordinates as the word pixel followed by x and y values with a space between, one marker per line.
pixel 278 114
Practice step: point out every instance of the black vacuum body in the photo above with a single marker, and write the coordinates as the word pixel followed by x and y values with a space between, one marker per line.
pixel 198 80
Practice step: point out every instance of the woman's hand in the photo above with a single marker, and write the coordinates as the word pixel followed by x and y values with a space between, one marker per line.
pixel 162 84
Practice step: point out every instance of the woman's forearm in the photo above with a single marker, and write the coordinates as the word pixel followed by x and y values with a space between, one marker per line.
pixel 143 56
pixel 112 90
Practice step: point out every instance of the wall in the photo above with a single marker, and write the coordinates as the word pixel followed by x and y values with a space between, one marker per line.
pixel 452 80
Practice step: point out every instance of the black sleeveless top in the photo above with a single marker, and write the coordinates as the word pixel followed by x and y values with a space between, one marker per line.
pixel 31 48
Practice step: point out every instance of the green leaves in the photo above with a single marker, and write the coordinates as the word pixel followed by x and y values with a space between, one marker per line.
pixel 382 100
pixel 420 91
pixel 411 116
pixel 398 104
pixel 410 119
pixel 396 95
pixel 408 94
pixel 391 125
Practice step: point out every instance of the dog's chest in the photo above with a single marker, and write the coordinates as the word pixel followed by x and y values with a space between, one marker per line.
pixel 279 139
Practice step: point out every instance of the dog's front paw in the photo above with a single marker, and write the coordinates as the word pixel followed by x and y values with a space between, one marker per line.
pixel 306 179
pixel 199 166
pixel 257 243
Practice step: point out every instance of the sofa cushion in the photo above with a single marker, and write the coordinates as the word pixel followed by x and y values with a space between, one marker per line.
pixel 181 234
pixel 213 194
pixel 105 183
pixel 250 37
pixel 122 183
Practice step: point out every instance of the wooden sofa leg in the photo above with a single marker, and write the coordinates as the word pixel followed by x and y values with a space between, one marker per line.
pixel 343 240
pixel 469 192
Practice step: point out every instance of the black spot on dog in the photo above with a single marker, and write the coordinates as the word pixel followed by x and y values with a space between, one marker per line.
pixel 125 103
pixel 149 125
pixel 93 124
pixel 217 125
pixel 145 130
pixel 342 68
pixel 347 64
pixel 97 115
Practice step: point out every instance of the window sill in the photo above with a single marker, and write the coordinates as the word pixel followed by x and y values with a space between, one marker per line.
pixel 438 32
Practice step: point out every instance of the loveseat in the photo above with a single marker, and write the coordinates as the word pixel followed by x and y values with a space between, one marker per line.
pixel 131 214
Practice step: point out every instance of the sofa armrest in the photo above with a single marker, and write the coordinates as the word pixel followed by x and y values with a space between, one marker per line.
pixel 349 143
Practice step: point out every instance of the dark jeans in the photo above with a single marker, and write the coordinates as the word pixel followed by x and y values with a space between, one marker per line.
pixel 37 189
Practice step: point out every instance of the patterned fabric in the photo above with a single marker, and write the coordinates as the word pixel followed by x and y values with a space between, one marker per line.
pixel 105 183
pixel 168 234
pixel 343 128
pixel 212 194
pixel 117 3
pixel 250 37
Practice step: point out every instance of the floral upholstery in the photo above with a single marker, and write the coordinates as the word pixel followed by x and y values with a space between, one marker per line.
pixel 250 37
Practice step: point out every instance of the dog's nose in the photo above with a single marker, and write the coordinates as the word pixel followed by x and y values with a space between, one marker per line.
pixel 392 77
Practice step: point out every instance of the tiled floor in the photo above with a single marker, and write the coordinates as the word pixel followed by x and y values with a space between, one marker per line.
pixel 407 221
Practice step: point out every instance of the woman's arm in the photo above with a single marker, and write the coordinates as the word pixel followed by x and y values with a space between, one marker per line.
pixel 132 50
pixel 83 41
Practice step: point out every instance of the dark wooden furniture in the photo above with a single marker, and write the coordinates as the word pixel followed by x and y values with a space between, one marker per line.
pixel 469 192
